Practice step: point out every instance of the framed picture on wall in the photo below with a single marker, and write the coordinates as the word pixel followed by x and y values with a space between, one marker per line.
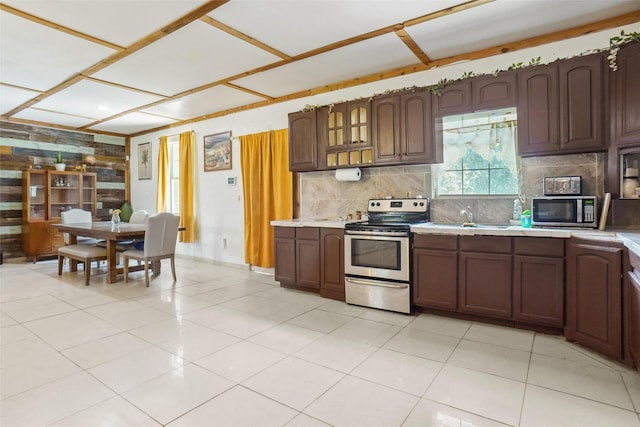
pixel 144 161
pixel 217 151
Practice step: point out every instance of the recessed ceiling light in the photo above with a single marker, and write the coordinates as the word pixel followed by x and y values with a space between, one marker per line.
pixel 102 107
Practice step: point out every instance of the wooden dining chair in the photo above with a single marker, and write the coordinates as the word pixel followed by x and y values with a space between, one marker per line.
pixel 161 233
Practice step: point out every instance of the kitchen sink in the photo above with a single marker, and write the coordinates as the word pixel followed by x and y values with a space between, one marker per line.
pixel 476 226
pixel 486 226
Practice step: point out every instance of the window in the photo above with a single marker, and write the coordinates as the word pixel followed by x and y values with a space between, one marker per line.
pixel 479 154
pixel 174 175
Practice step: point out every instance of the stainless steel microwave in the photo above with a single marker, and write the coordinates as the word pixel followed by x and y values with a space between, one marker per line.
pixel 565 211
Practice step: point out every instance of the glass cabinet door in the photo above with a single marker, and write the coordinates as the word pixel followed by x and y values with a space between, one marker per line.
pixel 36 195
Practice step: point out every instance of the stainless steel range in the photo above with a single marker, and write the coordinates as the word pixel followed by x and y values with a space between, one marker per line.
pixel 378 254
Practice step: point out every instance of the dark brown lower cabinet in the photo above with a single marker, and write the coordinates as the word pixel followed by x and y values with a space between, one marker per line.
pixel 308 257
pixel 594 296
pixel 297 257
pixel 633 319
pixel 332 263
pixel 435 271
pixel 285 254
pixel 484 276
pixel 538 280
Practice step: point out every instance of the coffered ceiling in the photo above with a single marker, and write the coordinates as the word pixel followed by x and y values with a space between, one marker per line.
pixel 129 66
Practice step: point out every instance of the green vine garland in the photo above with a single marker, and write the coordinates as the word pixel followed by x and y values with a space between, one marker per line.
pixel 614 47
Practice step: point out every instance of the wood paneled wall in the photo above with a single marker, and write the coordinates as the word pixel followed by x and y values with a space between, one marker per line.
pixel 24 146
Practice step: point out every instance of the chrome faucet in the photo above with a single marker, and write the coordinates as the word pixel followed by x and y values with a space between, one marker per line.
pixel 467 214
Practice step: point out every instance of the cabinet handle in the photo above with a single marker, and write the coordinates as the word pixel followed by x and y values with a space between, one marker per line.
pixel 382 285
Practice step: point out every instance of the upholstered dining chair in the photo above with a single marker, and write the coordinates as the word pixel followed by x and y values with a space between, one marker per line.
pixel 85 250
pixel 85 254
pixel 161 233
pixel 138 217
pixel 73 216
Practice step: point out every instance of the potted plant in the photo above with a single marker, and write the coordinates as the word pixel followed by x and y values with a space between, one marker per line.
pixel 59 164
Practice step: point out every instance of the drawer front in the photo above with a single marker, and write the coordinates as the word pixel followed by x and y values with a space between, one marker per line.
pixel 308 233
pixel 436 241
pixel 284 232
pixel 486 244
pixel 57 240
pixel 538 246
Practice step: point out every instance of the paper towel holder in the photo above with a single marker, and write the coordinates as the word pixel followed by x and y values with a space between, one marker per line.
pixel 348 174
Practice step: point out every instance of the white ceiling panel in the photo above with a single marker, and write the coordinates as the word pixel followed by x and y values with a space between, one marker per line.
pixel 11 97
pixel 294 26
pixel 38 57
pixel 190 57
pixel 218 98
pixel 360 59
pixel 506 21
pixel 44 116
pixel 121 22
pixel 89 98
pixel 133 123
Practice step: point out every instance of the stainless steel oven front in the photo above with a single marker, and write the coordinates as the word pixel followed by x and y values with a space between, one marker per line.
pixel 377 269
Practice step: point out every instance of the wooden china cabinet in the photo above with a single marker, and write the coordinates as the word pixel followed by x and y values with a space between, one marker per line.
pixel 45 195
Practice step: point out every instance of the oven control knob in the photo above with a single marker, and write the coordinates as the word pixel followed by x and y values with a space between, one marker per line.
pixel 415 203
pixel 421 203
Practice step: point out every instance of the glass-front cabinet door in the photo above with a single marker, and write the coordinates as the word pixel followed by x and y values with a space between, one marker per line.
pixel 36 195
pixel 347 132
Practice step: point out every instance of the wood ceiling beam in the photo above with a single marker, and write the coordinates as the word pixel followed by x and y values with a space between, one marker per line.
pixel 249 91
pixel 413 46
pixel 444 12
pixel 61 127
pixel 227 29
pixel 59 27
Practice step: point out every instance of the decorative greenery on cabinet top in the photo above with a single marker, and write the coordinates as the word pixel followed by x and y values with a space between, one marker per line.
pixel 615 43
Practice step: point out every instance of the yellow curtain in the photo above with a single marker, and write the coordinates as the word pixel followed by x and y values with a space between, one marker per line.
pixel 187 182
pixel 163 174
pixel 268 192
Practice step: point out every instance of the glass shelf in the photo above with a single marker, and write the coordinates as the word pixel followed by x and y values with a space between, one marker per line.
pixel 629 174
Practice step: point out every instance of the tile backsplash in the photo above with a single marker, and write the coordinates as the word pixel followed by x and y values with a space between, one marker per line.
pixel 322 196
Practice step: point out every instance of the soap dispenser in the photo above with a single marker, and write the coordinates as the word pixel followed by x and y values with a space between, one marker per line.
pixel 517 210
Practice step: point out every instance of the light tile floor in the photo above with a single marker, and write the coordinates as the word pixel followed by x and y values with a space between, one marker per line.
pixel 228 347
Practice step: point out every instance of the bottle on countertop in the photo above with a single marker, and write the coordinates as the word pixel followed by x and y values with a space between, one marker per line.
pixel 517 209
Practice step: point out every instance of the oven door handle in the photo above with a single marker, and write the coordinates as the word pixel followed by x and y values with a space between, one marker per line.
pixel 373 233
pixel 372 283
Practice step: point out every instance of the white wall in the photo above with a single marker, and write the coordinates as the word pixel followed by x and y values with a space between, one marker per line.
pixel 219 210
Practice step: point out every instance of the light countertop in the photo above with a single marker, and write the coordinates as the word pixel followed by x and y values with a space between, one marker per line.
pixel 629 237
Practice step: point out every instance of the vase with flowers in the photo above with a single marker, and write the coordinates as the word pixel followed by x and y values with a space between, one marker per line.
pixel 59 164
pixel 115 216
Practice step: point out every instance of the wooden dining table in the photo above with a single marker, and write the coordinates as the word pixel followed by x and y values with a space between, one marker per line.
pixel 111 233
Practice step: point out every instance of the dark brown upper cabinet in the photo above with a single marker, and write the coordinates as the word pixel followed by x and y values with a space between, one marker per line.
pixel 625 88
pixel 538 118
pixel 402 130
pixel 303 141
pixel 490 92
pixel 560 107
pixel 581 100
pixel 455 98
pixel 475 94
